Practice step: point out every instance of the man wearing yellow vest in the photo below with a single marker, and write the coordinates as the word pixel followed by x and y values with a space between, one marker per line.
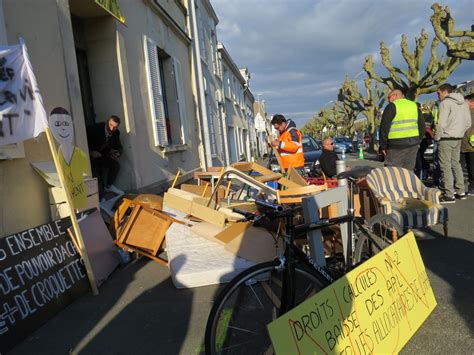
pixel 401 131
pixel 289 144
pixel 454 120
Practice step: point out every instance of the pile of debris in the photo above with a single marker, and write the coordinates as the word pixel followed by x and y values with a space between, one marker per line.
pixel 194 230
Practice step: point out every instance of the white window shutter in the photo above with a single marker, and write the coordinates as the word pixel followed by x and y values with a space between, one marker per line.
pixel 181 100
pixel 155 92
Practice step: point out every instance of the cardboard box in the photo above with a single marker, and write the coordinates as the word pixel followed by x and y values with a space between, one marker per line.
pixel 57 199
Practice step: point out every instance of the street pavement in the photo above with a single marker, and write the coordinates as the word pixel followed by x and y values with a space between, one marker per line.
pixel 138 309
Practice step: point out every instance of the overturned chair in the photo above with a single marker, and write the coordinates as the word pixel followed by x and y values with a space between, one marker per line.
pixel 404 202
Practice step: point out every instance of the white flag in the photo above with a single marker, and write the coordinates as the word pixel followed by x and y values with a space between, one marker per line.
pixel 22 115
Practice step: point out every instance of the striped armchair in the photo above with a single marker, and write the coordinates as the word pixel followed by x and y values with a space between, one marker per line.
pixel 401 195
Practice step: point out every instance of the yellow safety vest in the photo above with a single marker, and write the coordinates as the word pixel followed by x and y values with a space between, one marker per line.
pixel 405 122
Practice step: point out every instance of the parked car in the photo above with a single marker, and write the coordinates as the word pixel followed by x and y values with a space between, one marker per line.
pixel 311 149
pixel 429 153
pixel 342 143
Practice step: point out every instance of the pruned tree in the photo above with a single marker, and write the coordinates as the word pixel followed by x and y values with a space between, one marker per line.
pixel 459 44
pixel 321 125
pixel 369 105
pixel 411 81
pixel 347 115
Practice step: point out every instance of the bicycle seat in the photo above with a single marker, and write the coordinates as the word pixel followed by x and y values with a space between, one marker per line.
pixel 355 173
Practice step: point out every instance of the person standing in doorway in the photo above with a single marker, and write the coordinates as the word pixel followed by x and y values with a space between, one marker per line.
pixel 401 130
pixel 454 119
pixel 467 146
pixel 289 144
pixel 104 149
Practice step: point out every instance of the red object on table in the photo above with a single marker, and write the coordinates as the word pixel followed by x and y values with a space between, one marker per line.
pixel 331 182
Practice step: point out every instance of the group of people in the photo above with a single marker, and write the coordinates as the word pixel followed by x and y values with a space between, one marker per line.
pixel 403 128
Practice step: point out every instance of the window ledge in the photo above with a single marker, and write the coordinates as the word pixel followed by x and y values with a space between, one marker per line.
pixel 169 149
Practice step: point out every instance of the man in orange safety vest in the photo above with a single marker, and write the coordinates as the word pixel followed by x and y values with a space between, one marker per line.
pixel 289 144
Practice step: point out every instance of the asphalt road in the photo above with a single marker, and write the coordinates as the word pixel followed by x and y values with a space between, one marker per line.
pixel 139 310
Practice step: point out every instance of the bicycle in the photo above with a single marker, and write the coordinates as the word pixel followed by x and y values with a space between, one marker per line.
pixel 238 319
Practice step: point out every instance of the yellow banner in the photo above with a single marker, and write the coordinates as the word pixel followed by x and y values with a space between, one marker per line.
pixel 111 6
pixel 376 308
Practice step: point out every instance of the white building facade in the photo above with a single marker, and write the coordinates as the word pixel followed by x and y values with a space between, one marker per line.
pixel 233 89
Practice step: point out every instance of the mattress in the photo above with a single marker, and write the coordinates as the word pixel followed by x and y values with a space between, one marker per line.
pixel 195 261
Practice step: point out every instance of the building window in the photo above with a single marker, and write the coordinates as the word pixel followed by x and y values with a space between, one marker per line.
pixel 166 95
pixel 212 130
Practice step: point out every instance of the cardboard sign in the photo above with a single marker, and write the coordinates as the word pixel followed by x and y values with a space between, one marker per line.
pixel 374 309
pixel 40 274
pixel 73 162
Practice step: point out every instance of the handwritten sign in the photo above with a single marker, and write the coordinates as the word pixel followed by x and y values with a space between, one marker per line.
pixel 40 274
pixel 374 309
pixel 22 115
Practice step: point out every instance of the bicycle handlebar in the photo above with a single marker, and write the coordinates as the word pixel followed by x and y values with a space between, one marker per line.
pixel 273 206
pixel 273 211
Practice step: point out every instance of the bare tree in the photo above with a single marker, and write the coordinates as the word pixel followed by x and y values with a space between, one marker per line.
pixel 411 80
pixel 460 44
pixel 369 105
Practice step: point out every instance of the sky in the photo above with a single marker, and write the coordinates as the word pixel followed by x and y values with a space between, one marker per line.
pixel 300 51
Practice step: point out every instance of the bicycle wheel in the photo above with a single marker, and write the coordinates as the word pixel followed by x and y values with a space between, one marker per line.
pixel 368 244
pixel 238 320
pixel 385 227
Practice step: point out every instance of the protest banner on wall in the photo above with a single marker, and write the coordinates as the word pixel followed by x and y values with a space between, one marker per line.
pixel 40 274
pixel 22 115
pixel 374 309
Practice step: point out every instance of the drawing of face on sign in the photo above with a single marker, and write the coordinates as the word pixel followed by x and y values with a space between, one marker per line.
pixel 61 125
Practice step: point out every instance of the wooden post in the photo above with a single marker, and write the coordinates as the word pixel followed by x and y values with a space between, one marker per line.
pixel 227 190
pixel 75 224
pixel 176 179
pixel 275 152
pixel 205 189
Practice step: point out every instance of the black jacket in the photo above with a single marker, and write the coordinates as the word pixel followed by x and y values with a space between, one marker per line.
pixel 327 161
pixel 99 141
pixel 389 114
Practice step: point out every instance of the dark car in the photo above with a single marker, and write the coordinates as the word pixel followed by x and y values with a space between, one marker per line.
pixel 342 143
pixel 311 149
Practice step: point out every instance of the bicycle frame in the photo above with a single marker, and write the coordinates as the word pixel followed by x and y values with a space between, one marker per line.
pixel 292 254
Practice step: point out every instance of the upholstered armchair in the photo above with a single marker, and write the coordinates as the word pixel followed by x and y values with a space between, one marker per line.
pixel 402 196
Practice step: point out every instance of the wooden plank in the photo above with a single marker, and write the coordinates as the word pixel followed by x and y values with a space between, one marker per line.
pixel 243 166
pixel 208 214
pixel 119 222
pixel 232 232
pixel 207 230
pixel 177 202
pixel 261 169
pixel 201 191
pixel 269 177
pixel 252 243
pixel 150 200
pixel 295 177
pixel 129 223
pixel 215 169
pixel 294 195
